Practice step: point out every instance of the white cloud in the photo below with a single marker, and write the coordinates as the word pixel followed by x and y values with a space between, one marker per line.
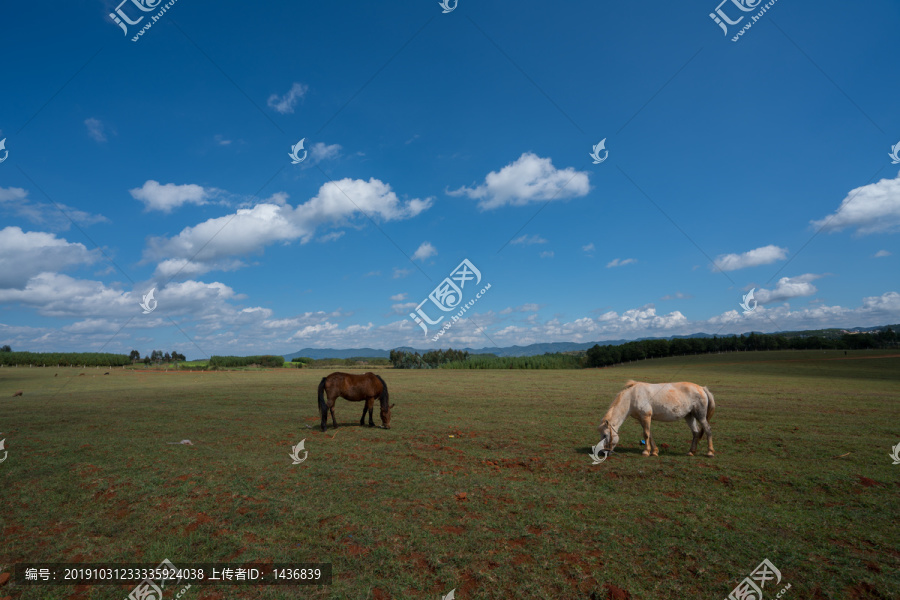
pixel 753 258
pixel 530 307
pixel 24 255
pixel 534 239
pixel 401 273
pixel 882 254
pixel 95 129
pixel 398 297
pixel 250 230
pixel 620 262
pixel 52 216
pixel 285 104
pixel 873 208
pixel 528 179
pixel 320 151
pixel 788 287
pixel 169 196
pixel 425 250
pixel 588 247
pixel 220 139
pixel 547 254
pixel 403 308
pixel 676 296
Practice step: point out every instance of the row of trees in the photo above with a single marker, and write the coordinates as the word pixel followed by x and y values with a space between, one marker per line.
pixel 63 359
pixel 545 361
pixel 401 359
pixel 601 356
pixel 156 357
pixel 264 360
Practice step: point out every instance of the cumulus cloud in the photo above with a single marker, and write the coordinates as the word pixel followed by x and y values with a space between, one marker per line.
pixel 620 262
pixel 217 241
pixel 167 197
pixel 285 104
pixel 24 255
pixel 528 179
pixel 787 288
pixel 588 248
pixel 547 254
pixel 529 240
pixel 752 258
pixel 426 250
pixel 882 254
pixel 873 208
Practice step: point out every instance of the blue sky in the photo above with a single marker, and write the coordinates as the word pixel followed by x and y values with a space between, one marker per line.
pixel 436 137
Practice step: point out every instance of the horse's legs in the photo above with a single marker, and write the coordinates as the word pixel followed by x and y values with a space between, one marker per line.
pixel 370 406
pixel 695 429
pixel 648 439
pixel 324 418
pixel 331 404
pixel 362 419
pixel 708 431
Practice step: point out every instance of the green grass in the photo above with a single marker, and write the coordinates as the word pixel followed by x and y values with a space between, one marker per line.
pixel 90 478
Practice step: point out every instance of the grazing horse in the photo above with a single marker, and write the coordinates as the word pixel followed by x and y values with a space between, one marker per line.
pixel 354 388
pixel 660 402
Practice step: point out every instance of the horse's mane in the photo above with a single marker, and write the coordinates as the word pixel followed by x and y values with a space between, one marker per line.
pixel 630 383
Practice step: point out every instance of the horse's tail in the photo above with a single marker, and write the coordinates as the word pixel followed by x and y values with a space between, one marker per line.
pixel 384 398
pixel 711 406
pixel 322 406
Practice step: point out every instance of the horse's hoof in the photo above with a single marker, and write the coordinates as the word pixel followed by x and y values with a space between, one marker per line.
pixel 710 454
pixel 656 453
pixel 645 453
pixel 690 453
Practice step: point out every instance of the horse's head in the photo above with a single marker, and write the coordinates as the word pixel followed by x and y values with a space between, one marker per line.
pixel 386 416
pixel 608 433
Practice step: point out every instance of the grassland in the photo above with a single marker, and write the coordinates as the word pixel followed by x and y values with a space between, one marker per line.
pixel 483 484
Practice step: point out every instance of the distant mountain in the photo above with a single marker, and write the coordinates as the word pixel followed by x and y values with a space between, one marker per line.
pixel 538 349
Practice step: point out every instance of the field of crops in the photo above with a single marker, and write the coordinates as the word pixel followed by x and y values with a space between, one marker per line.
pixel 484 484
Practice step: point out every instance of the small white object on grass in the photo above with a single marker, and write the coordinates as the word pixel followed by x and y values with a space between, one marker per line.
pixel 185 442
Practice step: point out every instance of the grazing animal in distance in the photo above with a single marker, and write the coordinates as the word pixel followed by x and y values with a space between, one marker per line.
pixel 355 388
pixel 660 402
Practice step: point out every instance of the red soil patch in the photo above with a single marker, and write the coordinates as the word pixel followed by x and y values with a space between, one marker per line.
pixel 534 530
pixel 461 496
pixel 201 519
pixel 865 481
pixel 354 549
pixel 4 579
pixel 616 593
pixel 725 480
pixel 863 591
pixel 379 594
pixel 520 559
pixel 673 494
pixel 457 529
pixel 418 560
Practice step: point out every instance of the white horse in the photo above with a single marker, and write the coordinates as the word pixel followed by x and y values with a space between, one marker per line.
pixel 660 402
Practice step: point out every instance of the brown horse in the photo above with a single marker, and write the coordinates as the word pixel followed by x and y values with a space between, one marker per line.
pixel 354 388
